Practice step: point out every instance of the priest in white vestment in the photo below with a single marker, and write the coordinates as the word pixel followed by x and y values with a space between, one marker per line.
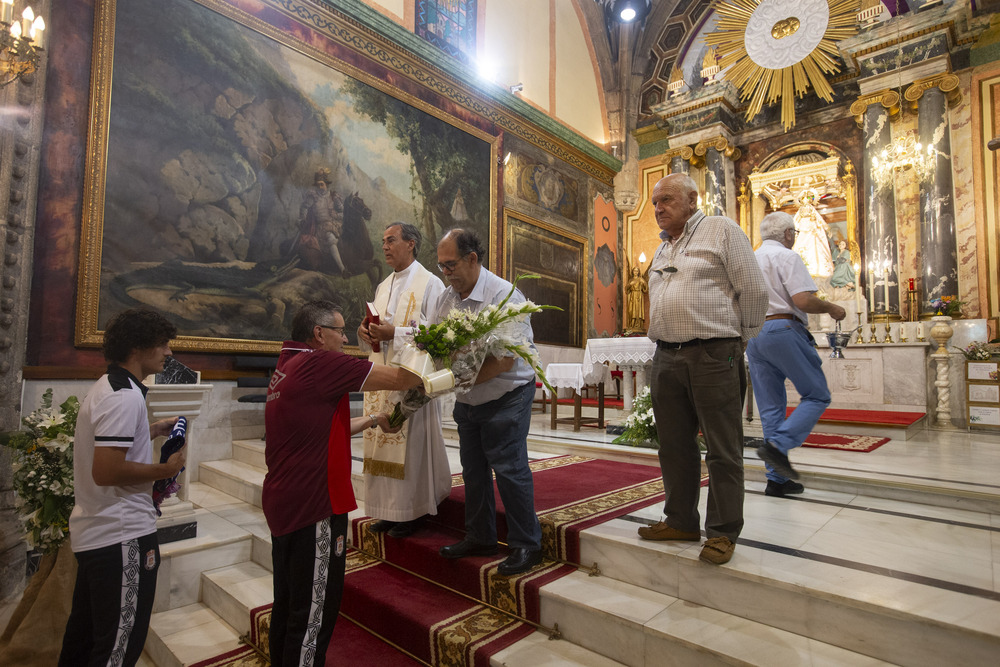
pixel 406 473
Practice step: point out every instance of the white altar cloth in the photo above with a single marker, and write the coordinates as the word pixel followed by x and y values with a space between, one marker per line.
pixel 575 376
pixel 631 354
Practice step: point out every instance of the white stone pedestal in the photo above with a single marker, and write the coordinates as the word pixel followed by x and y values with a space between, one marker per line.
pixel 176 400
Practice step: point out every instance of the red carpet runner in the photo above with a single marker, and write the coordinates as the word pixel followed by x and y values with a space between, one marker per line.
pixel 867 417
pixel 431 607
pixel 847 443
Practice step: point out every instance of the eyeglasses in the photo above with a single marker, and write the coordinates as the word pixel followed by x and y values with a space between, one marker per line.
pixel 448 267
pixel 339 330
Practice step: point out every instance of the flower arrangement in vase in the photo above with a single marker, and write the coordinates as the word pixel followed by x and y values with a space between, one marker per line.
pixel 43 472
pixel 947 305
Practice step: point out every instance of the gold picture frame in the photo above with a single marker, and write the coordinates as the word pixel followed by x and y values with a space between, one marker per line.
pixel 562 260
pixel 242 113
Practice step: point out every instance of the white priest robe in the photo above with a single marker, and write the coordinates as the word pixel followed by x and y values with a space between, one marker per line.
pixel 426 478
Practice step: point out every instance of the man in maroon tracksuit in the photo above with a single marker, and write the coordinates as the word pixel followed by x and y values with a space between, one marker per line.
pixel 307 491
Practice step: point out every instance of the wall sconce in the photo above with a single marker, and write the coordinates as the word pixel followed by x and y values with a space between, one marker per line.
pixel 20 42
pixel 517 87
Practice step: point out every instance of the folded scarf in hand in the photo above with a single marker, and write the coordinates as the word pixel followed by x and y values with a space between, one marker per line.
pixel 164 488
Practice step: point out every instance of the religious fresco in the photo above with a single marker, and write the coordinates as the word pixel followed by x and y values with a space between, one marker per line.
pixel 260 176
pixel 547 188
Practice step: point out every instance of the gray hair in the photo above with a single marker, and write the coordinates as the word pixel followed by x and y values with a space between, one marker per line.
pixel 774 225
pixel 408 232
pixel 309 315
pixel 686 183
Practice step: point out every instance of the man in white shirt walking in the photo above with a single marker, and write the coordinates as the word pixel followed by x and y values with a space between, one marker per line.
pixel 785 349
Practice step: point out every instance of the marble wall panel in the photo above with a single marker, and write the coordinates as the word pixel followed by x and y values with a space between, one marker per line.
pixel 965 200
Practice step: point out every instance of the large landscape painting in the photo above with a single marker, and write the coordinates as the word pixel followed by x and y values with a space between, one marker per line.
pixel 242 174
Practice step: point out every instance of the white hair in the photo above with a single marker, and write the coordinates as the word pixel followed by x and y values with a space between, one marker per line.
pixel 773 226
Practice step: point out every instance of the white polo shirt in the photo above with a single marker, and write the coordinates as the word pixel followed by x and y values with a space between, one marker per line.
pixel 113 414
pixel 786 275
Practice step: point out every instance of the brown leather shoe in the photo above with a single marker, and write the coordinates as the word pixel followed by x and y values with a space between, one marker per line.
pixel 661 531
pixel 717 550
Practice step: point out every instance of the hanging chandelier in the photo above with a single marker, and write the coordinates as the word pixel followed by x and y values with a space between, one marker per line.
pixel 20 42
pixel 902 154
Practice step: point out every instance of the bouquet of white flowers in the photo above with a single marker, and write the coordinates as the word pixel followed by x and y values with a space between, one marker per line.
pixel 449 354
pixel 640 425
pixel 43 472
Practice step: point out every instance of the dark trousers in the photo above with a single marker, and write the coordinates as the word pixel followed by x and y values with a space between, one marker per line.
pixel 308 580
pixel 112 604
pixel 493 438
pixel 701 387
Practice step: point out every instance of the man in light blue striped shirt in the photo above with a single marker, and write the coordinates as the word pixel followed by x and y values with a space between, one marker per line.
pixel 493 419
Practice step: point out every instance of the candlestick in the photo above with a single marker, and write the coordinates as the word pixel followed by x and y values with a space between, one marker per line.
pixel 888 333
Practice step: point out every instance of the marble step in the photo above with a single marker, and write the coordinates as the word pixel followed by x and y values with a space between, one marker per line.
pixel 636 626
pixel 187 635
pixel 908 620
pixel 236 478
pixel 219 542
pixel 250 452
pixel 231 592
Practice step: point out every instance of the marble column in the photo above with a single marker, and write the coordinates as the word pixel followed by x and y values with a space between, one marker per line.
pixel 938 246
pixel 880 216
pixel 678 165
pixel 715 183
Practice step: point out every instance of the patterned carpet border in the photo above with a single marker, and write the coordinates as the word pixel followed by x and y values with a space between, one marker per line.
pixel 844 443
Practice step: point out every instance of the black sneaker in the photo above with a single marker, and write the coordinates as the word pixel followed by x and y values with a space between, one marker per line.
pixel 777 459
pixel 786 488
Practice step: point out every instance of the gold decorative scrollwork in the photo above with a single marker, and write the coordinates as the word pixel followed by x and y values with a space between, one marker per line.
pixel 947 83
pixel 721 144
pixel 887 98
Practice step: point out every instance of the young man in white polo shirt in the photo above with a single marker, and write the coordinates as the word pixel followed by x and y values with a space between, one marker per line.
pixel 113 524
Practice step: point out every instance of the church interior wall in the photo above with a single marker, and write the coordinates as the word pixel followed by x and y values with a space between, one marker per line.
pixel 52 352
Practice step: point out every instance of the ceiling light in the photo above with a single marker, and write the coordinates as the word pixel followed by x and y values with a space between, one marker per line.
pixel 627 11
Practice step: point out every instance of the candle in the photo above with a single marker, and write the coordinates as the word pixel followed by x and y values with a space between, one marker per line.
pixel 871 285
pixel 887 287
pixel 857 290
pixel 920 329
pixel 911 285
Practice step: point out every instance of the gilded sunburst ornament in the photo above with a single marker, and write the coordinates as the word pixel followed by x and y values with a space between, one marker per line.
pixel 779 48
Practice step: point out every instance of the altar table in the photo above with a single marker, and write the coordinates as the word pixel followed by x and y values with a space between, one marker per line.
pixel 573 376
pixel 632 354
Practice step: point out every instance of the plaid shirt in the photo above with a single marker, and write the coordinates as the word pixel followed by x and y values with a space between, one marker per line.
pixel 717 291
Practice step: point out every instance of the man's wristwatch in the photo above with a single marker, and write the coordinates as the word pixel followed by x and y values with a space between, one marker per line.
pixel 374 421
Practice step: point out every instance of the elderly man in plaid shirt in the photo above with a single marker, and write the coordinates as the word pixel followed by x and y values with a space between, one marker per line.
pixel 707 298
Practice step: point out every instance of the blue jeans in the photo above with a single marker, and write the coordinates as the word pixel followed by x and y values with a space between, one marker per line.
pixel 493 438
pixel 786 349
